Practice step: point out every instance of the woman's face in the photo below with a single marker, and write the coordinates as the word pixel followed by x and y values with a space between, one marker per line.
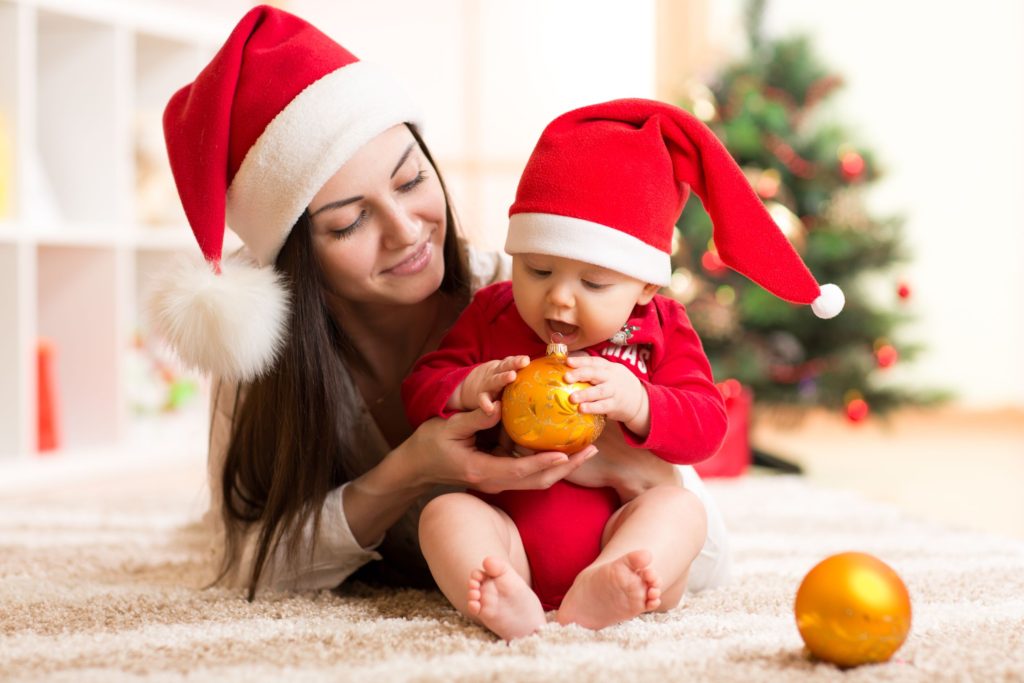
pixel 379 223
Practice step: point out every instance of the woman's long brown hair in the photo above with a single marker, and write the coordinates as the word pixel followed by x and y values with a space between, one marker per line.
pixel 290 430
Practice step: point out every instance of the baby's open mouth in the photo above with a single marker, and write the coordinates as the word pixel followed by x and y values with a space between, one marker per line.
pixel 562 328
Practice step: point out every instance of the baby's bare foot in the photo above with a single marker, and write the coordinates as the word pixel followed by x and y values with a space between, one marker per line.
pixel 613 592
pixel 502 601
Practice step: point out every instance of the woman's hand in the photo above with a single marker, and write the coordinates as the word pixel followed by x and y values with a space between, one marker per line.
pixel 630 471
pixel 445 453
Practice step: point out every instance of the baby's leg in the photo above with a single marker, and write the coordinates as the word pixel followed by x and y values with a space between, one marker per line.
pixel 646 552
pixel 476 556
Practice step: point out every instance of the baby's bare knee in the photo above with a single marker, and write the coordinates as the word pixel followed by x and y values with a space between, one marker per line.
pixel 675 497
pixel 445 509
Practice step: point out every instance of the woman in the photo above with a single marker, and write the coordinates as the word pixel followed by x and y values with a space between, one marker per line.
pixel 354 271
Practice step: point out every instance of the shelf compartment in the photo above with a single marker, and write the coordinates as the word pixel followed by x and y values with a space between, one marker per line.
pixel 17 351
pixel 80 304
pixel 81 76
pixel 12 47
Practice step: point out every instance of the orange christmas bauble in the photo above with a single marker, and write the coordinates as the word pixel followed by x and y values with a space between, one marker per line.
pixel 537 413
pixel 853 609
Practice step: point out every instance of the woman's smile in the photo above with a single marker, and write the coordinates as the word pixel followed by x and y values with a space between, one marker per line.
pixel 415 262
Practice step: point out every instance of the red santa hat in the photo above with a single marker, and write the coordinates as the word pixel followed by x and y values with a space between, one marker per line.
pixel 279 109
pixel 606 184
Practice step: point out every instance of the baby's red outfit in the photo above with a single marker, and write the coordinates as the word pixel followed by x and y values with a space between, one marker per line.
pixel 561 526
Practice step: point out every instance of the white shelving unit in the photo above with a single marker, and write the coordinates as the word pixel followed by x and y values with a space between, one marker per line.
pixel 88 209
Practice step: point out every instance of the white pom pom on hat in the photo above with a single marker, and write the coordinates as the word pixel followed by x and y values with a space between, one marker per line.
pixel 829 303
pixel 233 321
pixel 279 109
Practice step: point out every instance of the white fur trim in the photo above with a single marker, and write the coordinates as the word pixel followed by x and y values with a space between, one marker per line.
pixel 829 302
pixel 583 240
pixel 305 144
pixel 231 325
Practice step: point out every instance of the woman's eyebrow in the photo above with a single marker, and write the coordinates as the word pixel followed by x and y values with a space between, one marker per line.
pixel 335 205
pixel 405 155
pixel 343 202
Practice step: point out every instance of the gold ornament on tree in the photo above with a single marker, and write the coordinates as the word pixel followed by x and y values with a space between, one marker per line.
pixel 702 101
pixel 713 317
pixel 789 224
pixel 684 286
pixel 846 209
pixel 853 609
pixel 767 182
pixel 536 411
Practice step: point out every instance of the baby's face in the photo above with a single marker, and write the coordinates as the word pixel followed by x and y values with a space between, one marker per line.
pixel 584 303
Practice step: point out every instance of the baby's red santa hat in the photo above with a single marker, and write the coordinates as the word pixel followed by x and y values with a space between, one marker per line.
pixel 606 184
pixel 279 109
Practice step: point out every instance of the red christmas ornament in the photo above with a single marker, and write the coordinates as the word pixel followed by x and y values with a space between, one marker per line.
pixel 852 165
pixel 857 410
pixel 712 262
pixel 730 388
pixel 903 291
pixel 767 183
pixel 886 355
pixel 785 153
pixel 819 89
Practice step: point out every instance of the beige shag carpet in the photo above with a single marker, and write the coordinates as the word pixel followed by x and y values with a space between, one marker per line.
pixel 100 581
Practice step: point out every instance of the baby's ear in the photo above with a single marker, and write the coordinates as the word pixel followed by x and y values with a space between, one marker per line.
pixel 647 294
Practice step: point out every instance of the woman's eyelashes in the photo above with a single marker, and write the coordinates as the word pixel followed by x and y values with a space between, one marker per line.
pixel 342 233
pixel 419 178
pixel 347 231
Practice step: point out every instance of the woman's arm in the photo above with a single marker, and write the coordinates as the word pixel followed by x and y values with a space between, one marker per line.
pixel 443 452
pixel 623 467
pixel 355 517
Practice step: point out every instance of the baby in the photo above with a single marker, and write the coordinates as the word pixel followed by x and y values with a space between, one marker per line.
pixel 590 236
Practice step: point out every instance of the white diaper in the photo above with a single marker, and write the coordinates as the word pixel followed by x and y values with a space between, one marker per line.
pixel 711 568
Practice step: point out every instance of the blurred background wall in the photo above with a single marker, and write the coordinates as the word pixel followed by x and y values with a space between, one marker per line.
pixel 936 89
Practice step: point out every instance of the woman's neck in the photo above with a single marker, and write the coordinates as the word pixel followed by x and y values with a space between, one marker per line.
pixel 390 338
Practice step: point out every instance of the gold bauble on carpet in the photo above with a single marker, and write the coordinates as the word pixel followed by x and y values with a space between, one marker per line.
pixel 853 609
pixel 537 413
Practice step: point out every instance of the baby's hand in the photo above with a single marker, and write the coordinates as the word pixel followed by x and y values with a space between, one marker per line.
pixel 484 384
pixel 616 394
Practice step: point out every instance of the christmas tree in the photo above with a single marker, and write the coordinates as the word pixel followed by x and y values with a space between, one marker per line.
pixel 812 177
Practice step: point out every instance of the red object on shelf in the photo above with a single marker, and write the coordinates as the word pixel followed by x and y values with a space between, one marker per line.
pixel 734 457
pixel 857 410
pixel 48 437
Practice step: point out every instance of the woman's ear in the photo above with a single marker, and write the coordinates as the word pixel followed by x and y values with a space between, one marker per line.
pixel 647 294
